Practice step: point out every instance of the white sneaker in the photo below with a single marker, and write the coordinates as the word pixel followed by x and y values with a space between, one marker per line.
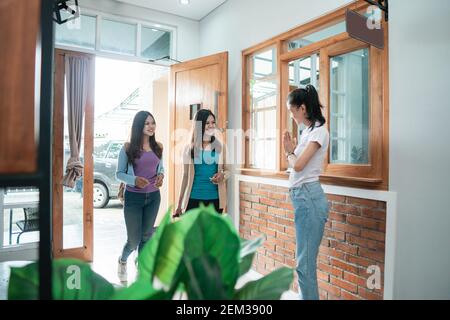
pixel 122 271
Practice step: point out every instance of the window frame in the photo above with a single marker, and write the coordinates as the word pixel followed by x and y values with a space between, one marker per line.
pixel 371 176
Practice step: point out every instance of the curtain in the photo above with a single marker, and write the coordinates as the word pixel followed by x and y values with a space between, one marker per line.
pixel 76 69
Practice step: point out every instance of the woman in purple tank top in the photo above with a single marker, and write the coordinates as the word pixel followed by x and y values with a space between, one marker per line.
pixel 140 168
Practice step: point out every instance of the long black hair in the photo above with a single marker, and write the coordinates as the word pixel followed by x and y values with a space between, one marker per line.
pixel 197 139
pixel 310 99
pixel 134 147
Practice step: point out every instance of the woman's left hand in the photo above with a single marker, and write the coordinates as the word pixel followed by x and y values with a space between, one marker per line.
pixel 289 144
pixel 159 180
pixel 217 178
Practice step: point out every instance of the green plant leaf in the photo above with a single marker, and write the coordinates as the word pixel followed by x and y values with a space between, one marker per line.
pixel 146 259
pixel 71 280
pixel 213 235
pixel 247 253
pixel 171 248
pixel 140 290
pixel 270 287
pixel 203 280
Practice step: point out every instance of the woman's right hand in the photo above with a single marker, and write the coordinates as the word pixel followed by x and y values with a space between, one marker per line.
pixel 141 182
pixel 177 213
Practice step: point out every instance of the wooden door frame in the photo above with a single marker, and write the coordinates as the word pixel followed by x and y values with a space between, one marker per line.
pixel 222 60
pixel 86 251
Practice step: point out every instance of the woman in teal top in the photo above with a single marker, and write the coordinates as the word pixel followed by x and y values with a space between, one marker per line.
pixel 204 174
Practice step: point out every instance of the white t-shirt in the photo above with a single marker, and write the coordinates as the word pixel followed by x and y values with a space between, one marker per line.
pixel 314 167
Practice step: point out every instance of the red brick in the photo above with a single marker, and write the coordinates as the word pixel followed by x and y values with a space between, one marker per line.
pixel 267 231
pixel 346 228
pixel 267 187
pixel 290 263
pixel 259 221
pixel 336 198
pixel 348 296
pixel 286 237
pixel 277 196
pixel 323 295
pixel 345 208
pixel 290 246
pixel 245 204
pixel 332 252
pixel 343 265
pixel 290 215
pixel 276 256
pixel 269 246
pixel 275 226
pixel 243 189
pixel 363 202
pixel 283 190
pixel 329 269
pixel 374 235
pixel 285 222
pixel 286 253
pixel 338 235
pixel 368 295
pixel 251 198
pixel 251 212
pixel 325 242
pixel 249 184
pixel 382 205
pixel 323 276
pixel 364 222
pixel 335 291
pixel 267 201
pixel 371 254
pixel 255 233
pixel 344 284
pixel 259 192
pixel 359 261
pixel 378 214
pixel 357 280
pixel 268 217
pixel 276 211
pixel 333 297
pixel 347 248
pixel 323 259
pixel 259 207
pixel 290 230
pixel 285 205
pixel 336 216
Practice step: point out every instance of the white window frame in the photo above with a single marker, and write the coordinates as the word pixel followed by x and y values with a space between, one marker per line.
pixel 99 15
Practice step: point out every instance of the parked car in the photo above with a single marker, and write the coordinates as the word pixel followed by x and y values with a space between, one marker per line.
pixel 106 186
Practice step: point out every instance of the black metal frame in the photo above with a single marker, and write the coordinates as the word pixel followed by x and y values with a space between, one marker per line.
pixel 383 5
pixel 43 177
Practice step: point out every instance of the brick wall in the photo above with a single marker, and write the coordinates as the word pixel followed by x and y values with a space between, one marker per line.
pixel 354 239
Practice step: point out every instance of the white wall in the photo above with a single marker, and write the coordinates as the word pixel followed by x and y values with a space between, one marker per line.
pixel 239 24
pixel 419 115
pixel 187 30
pixel 420 146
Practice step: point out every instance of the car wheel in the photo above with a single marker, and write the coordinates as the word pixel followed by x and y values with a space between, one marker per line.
pixel 101 196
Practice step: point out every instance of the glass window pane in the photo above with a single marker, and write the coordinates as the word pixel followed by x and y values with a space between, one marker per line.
pixel 79 32
pixel 325 33
pixel 118 37
pixel 155 43
pixel 349 109
pixel 263 104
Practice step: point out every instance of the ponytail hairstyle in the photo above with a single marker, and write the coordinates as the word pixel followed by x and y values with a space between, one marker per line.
pixel 134 147
pixel 310 99
pixel 198 132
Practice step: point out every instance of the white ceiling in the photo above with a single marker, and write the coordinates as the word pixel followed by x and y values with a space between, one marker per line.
pixel 196 10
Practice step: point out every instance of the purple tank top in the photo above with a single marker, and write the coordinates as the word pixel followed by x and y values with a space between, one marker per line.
pixel 146 166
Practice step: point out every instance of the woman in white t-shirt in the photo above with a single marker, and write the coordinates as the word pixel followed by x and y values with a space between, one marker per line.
pixel 307 196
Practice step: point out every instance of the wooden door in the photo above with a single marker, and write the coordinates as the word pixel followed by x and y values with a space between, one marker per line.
pixel 19 56
pixel 203 82
pixel 84 251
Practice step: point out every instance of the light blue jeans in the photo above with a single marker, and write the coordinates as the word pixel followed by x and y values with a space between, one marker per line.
pixel 311 212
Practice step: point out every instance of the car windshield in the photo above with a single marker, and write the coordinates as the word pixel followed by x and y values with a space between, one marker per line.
pixel 100 148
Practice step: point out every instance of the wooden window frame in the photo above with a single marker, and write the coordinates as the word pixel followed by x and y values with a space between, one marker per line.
pixel 371 176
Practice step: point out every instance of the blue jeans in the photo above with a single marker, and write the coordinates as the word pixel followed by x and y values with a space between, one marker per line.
pixel 140 211
pixel 311 212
